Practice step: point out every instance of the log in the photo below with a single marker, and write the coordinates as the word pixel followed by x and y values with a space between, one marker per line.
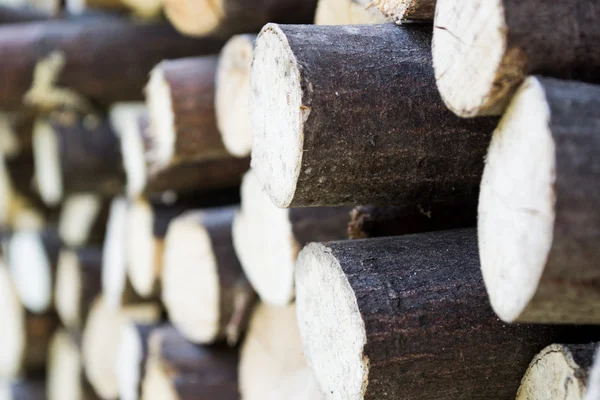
pixel 233 94
pixel 24 336
pixel 347 12
pixel 593 387
pixel 272 365
pixel 407 10
pixel 483 50
pixel 82 220
pixel 100 342
pixel 559 371
pixel 68 152
pixel 10 14
pixel 66 378
pixel 72 48
pixel 267 239
pixel 179 370
pixel 407 317
pixel 327 148
pixel 200 267
pixel 379 221
pixel 132 358
pixel 81 7
pixel 180 98
pixel 539 226
pixel 30 389
pixel 228 17
pixel 145 9
pixel 78 283
pixel 33 260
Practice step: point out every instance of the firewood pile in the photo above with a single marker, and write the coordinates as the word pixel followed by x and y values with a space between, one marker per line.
pixel 299 199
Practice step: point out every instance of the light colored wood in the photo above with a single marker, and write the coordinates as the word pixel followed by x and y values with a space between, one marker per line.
pixel 347 12
pixel 407 10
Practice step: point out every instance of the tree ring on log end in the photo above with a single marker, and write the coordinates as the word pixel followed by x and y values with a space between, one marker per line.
pixel 194 17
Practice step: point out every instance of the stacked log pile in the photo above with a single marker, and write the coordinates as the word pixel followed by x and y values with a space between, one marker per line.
pixel 299 199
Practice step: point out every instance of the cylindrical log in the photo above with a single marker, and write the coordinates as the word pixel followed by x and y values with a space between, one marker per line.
pixel 347 12
pixel 407 10
pixel 560 371
pixel 407 318
pixel 351 115
pixel 180 97
pixel 272 364
pixel 78 283
pixel 79 7
pixel 228 17
pixel 374 221
pixel 100 342
pixel 132 358
pixel 34 389
pixel 267 239
pixel 539 224
pixel 120 52
pixel 180 370
pixel 10 14
pixel 82 219
pixel 146 9
pixel 200 267
pixel 33 260
pixel 483 50
pixel 233 94
pixel 66 378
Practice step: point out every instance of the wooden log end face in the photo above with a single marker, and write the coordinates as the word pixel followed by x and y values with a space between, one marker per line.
pixel 141 248
pixel 12 345
pixel 194 18
pixel 162 120
pixel 516 204
pixel 331 326
pixel 129 362
pixel 278 115
pixel 77 217
pixel 114 264
pixel 68 289
pixel 48 173
pixel 64 368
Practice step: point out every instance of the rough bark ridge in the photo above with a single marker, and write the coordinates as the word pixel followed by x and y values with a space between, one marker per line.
pixel 430 331
pixel 408 10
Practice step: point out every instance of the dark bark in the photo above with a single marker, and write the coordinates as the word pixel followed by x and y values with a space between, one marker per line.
pixel 90 270
pixel 120 53
pixel 27 390
pixel 373 221
pixel 18 15
pixel 319 224
pixel 39 329
pixel 408 10
pixel 430 331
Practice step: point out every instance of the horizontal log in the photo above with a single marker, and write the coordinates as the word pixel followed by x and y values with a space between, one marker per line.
pixel 374 221
pixel 30 389
pixel 347 12
pixel 267 239
pixel 183 126
pixel 78 283
pixel 82 219
pixel 539 225
pixel 408 318
pixel 228 17
pixel 327 148
pixel 479 65
pixel 200 267
pixel 10 14
pixel 179 370
pixel 272 364
pixel 233 94
pixel 120 52
pixel 100 342
pixel 559 371
pixel 407 10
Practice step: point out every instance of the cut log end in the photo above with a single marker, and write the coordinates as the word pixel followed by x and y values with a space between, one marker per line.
pixel 593 389
pixel 469 43
pixel 64 368
pixel 143 250
pixel 68 289
pixel 516 206
pixel 232 94
pixel 194 18
pixel 48 172
pixel 129 362
pixel 12 344
pixel 347 12
pixel 265 245
pixel 114 265
pixel 327 304
pixel 77 217
pixel 407 10
pixel 162 119
pixel 278 115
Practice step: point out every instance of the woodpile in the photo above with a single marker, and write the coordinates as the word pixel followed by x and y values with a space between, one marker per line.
pixel 299 200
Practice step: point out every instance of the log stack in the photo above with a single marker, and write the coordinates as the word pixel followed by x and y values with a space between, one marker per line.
pixel 420 219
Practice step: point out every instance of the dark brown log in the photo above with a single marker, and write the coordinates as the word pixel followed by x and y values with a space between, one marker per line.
pixel 233 94
pixel 483 50
pixel 267 239
pixel 408 318
pixel 272 365
pixel 23 390
pixel 100 342
pixel 132 357
pixel 374 221
pixel 347 12
pixel 559 371
pixel 33 261
pixel 327 148
pixel 180 97
pixel 120 52
pixel 539 224
pixel 200 267
pixel 228 17
pixel 82 220
pixel 179 370
pixel 78 283
pixel 407 10
pixel 69 151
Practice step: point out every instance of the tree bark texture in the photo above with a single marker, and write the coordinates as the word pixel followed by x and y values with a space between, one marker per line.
pixel 39 329
pixel 430 331
pixel 407 10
